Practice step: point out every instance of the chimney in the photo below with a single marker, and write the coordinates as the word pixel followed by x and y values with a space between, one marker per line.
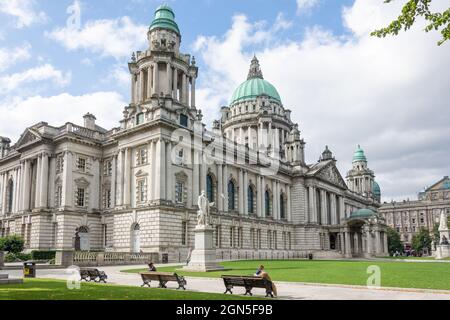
pixel 89 121
pixel 4 147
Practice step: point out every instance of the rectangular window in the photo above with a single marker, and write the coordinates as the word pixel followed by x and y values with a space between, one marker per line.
pixel 183 120
pixel 81 166
pixel 107 199
pixel 107 170
pixel 141 156
pixel 179 198
pixel 142 193
pixel 139 119
pixel 59 164
pixel 184 233
pixel 80 197
pixel 217 237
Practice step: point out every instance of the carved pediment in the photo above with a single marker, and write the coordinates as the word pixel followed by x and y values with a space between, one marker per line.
pixel 28 137
pixel 331 174
pixel 82 182
pixel 141 173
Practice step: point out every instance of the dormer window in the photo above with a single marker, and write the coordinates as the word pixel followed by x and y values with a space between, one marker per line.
pixel 139 118
pixel 183 120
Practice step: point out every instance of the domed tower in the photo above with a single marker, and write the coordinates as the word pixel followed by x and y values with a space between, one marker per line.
pixel 162 71
pixel 361 179
pixel 257 118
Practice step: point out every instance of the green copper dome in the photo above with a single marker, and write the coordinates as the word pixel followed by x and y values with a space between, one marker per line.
pixel 255 86
pixel 359 155
pixel 363 214
pixel 376 189
pixel 164 19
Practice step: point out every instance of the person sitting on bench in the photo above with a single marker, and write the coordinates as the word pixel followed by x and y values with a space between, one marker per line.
pixel 151 267
pixel 263 274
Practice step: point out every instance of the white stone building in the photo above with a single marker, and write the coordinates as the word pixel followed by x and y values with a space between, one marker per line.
pixel 134 188
pixel 408 216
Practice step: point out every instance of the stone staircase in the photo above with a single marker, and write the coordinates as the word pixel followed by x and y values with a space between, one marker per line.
pixel 4 279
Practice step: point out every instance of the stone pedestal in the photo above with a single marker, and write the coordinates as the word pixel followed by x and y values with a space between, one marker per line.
pixel 442 252
pixel 64 258
pixel 203 257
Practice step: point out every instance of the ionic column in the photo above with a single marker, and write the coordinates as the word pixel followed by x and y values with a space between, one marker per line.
pixel 246 193
pixel 385 244
pixel 193 92
pixel 274 200
pixel 169 177
pixel 113 180
pixel 26 186
pixel 333 209
pixel 127 178
pixel 263 195
pixel 288 206
pixel 4 188
pixel 155 79
pixel 356 242
pixel 161 155
pixel 141 86
pixel 377 242
pixel 241 191
pixel 225 188
pixel 342 208
pixel 195 178
pixel 16 190
pixel 241 136
pixel 37 198
pixel 67 185
pixel 203 173
pixel 175 85
pixel 149 82
pixel 44 181
pixel 219 187
pixel 258 197
pixel 187 90
pixel 348 247
pixel 133 88
pixel 183 90
pixel 369 241
pixel 323 213
pixel 169 78
pixel 312 205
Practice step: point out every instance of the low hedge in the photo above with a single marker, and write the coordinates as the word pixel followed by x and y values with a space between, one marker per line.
pixel 17 257
pixel 43 255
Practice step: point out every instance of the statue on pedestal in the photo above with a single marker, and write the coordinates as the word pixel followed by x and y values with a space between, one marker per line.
pixel 203 215
pixel 443 225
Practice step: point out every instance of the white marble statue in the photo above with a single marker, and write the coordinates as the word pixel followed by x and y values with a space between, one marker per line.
pixel 443 225
pixel 204 208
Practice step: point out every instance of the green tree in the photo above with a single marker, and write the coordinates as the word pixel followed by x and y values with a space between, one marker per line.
pixel 394 242
pixel 12 244
pixel 413 9
pixel 421 242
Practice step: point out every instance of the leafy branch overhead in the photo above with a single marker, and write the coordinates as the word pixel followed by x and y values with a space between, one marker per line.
pixel 439 21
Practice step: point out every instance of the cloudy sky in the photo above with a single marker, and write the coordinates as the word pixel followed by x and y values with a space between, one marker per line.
pixel 344 87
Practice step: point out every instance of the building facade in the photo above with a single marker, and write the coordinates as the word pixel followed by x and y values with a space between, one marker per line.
pixel 134 188
pixel 408 217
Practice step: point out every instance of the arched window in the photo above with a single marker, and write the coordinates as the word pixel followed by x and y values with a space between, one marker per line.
pixel 250 200
pixel 267 203
pixel 231 196
pixel 282 207
pixel 210 188
pixel 10 196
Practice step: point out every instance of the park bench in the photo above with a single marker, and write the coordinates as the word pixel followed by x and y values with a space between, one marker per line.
pixel 91 274
pixel 248 283
pixel 163 278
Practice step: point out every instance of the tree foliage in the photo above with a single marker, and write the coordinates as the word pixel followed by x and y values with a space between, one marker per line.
pixel 394 242
pixel 422 241
pixel 439 21
pixel 12 244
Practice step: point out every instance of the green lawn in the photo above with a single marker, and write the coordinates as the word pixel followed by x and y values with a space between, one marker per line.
pixel 393 274
pixel 45 289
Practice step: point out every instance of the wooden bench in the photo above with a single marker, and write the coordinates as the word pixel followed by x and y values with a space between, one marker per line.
pixel 91 274
pixel 163 278
pixel 248 283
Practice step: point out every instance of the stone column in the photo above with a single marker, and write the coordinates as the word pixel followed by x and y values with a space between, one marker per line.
pixel 225 188
pixel 149 81
pixel 195 178
pixel 377 242
pixel 312 205
pixel 385 244
pixel 155 79
pixel 162 178
pixel 369 242
pixel 275 199
pixel 263 195
pixel 169 78
pixel 119 197
pixel 203 173
pixel 288 206
pixel 175 84
pixel 356 242
pixel 193 92
pixel 113 180
pixel 26 186
pixel 141 86
pixel 169 176
pixel 37 198
pixel 3 193
pixel 348 247
pixel 241 191
pixel 187 90
pixel 127 178
pixel 342 208
pixel 258 197
pixel 16 191
pixel 133 88
pixel 334 218
pixel 324 207
pixel 67 185
pixel 246 193
pixel 219 187
pixel 44 181
pixel 183 89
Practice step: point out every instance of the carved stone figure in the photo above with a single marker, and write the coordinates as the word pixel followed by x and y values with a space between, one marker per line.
pixel 443 225
pixel 203 212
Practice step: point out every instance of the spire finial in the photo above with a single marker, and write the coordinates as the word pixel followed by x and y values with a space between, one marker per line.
pixel 255 69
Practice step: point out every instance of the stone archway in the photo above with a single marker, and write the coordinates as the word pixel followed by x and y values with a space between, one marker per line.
pixel 82 239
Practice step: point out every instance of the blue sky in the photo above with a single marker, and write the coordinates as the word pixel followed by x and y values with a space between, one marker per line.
pixel 344 87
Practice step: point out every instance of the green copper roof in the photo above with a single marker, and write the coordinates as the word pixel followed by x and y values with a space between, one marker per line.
pixel 164 19
pixel 253 88
pixel 376 189
pixel 363 214
pixel 359 155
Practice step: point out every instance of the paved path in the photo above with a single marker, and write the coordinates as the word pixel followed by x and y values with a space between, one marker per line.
pixel 287 290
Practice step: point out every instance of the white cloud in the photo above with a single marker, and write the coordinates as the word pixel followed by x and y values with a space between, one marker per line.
pixel 9 57
pixel 23 11
pixel 389 95
pixel 109 38
pixel 306 5
pixel 45 72
pixel 57 110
